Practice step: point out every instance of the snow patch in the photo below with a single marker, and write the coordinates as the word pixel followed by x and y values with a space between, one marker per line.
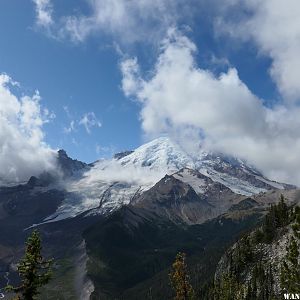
pixel 198 184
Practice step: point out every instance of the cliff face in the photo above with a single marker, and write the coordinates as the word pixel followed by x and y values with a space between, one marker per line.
pixel 269 256
pixel 264 264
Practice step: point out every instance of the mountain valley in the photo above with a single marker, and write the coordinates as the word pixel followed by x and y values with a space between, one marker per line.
pixel 114 226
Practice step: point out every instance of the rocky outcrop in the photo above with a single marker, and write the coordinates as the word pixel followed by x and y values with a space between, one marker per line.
pixel 254 266
pixel 69 166
pixel 176 200
pixel 120 155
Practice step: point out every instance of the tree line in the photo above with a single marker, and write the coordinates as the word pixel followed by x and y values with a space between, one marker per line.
pixel 248 276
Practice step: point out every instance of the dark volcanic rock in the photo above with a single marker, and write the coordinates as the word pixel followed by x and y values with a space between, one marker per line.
pixel 68 165
pixel 215 193
pixel 176 200
pixel 245 204
pixel 24 205
pixel 43 180
pixel 122 154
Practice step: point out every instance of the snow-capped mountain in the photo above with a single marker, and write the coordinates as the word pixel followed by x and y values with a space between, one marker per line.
pixel 161 154
pixel 108 184
pixel 164 154
pixel 158 185
pixel 68 166
pixel 149 197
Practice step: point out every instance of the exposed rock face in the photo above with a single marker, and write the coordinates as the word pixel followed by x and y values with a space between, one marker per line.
pixel 244 204
pixel 122 154
pixel 24 205
pixel 68 165
pixel 269 255
pixel 256 264
pixel 215 193
pixel 177 200
pixel 43 180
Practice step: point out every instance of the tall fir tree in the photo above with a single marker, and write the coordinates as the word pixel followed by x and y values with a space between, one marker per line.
pixel 180 280
pixel 290 271
pixel 34 270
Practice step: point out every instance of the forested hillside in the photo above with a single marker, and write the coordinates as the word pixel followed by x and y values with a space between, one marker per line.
pixel 263 264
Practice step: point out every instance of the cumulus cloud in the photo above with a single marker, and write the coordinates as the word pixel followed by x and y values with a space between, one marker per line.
pixel 22 147
pixel 43 9
pixel 131 71
pixel 180 97
pixel 274 26
pixel 89 120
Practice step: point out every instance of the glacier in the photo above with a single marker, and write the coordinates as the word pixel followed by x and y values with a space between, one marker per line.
pixel 111 183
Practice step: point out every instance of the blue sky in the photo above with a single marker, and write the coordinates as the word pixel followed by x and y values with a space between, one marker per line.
pixel 81 56
pixel 85 77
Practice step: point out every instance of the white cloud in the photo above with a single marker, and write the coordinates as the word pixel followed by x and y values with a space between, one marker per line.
pixel 274 26
pixel 131 71
pixel 43 9
pixel 130 20
pixel 181 98
pixel 89 120
pixel 110 150
pixel 127 21
pixel 70 128
pixel 22 147
pixel 184 99
pixel 111 171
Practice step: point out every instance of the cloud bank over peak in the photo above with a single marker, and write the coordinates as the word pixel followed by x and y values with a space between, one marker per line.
pixel 180 97
pixel 22 147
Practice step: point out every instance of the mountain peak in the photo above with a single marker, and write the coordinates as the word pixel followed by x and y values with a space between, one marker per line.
pixel 167 156
pixel 159 154
pixel 122 154
pixel 120 180
pixel 68 165
pixel 62 153
pixel 176 200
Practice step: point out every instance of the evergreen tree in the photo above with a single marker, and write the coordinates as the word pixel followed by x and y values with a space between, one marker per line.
pixel 290 271
pixel 34 270
pixel 277 217
pixel 180 279
pixel 282 213
pixel 228 288
pixel 258 236
pixel 296 226
pixel 245 251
